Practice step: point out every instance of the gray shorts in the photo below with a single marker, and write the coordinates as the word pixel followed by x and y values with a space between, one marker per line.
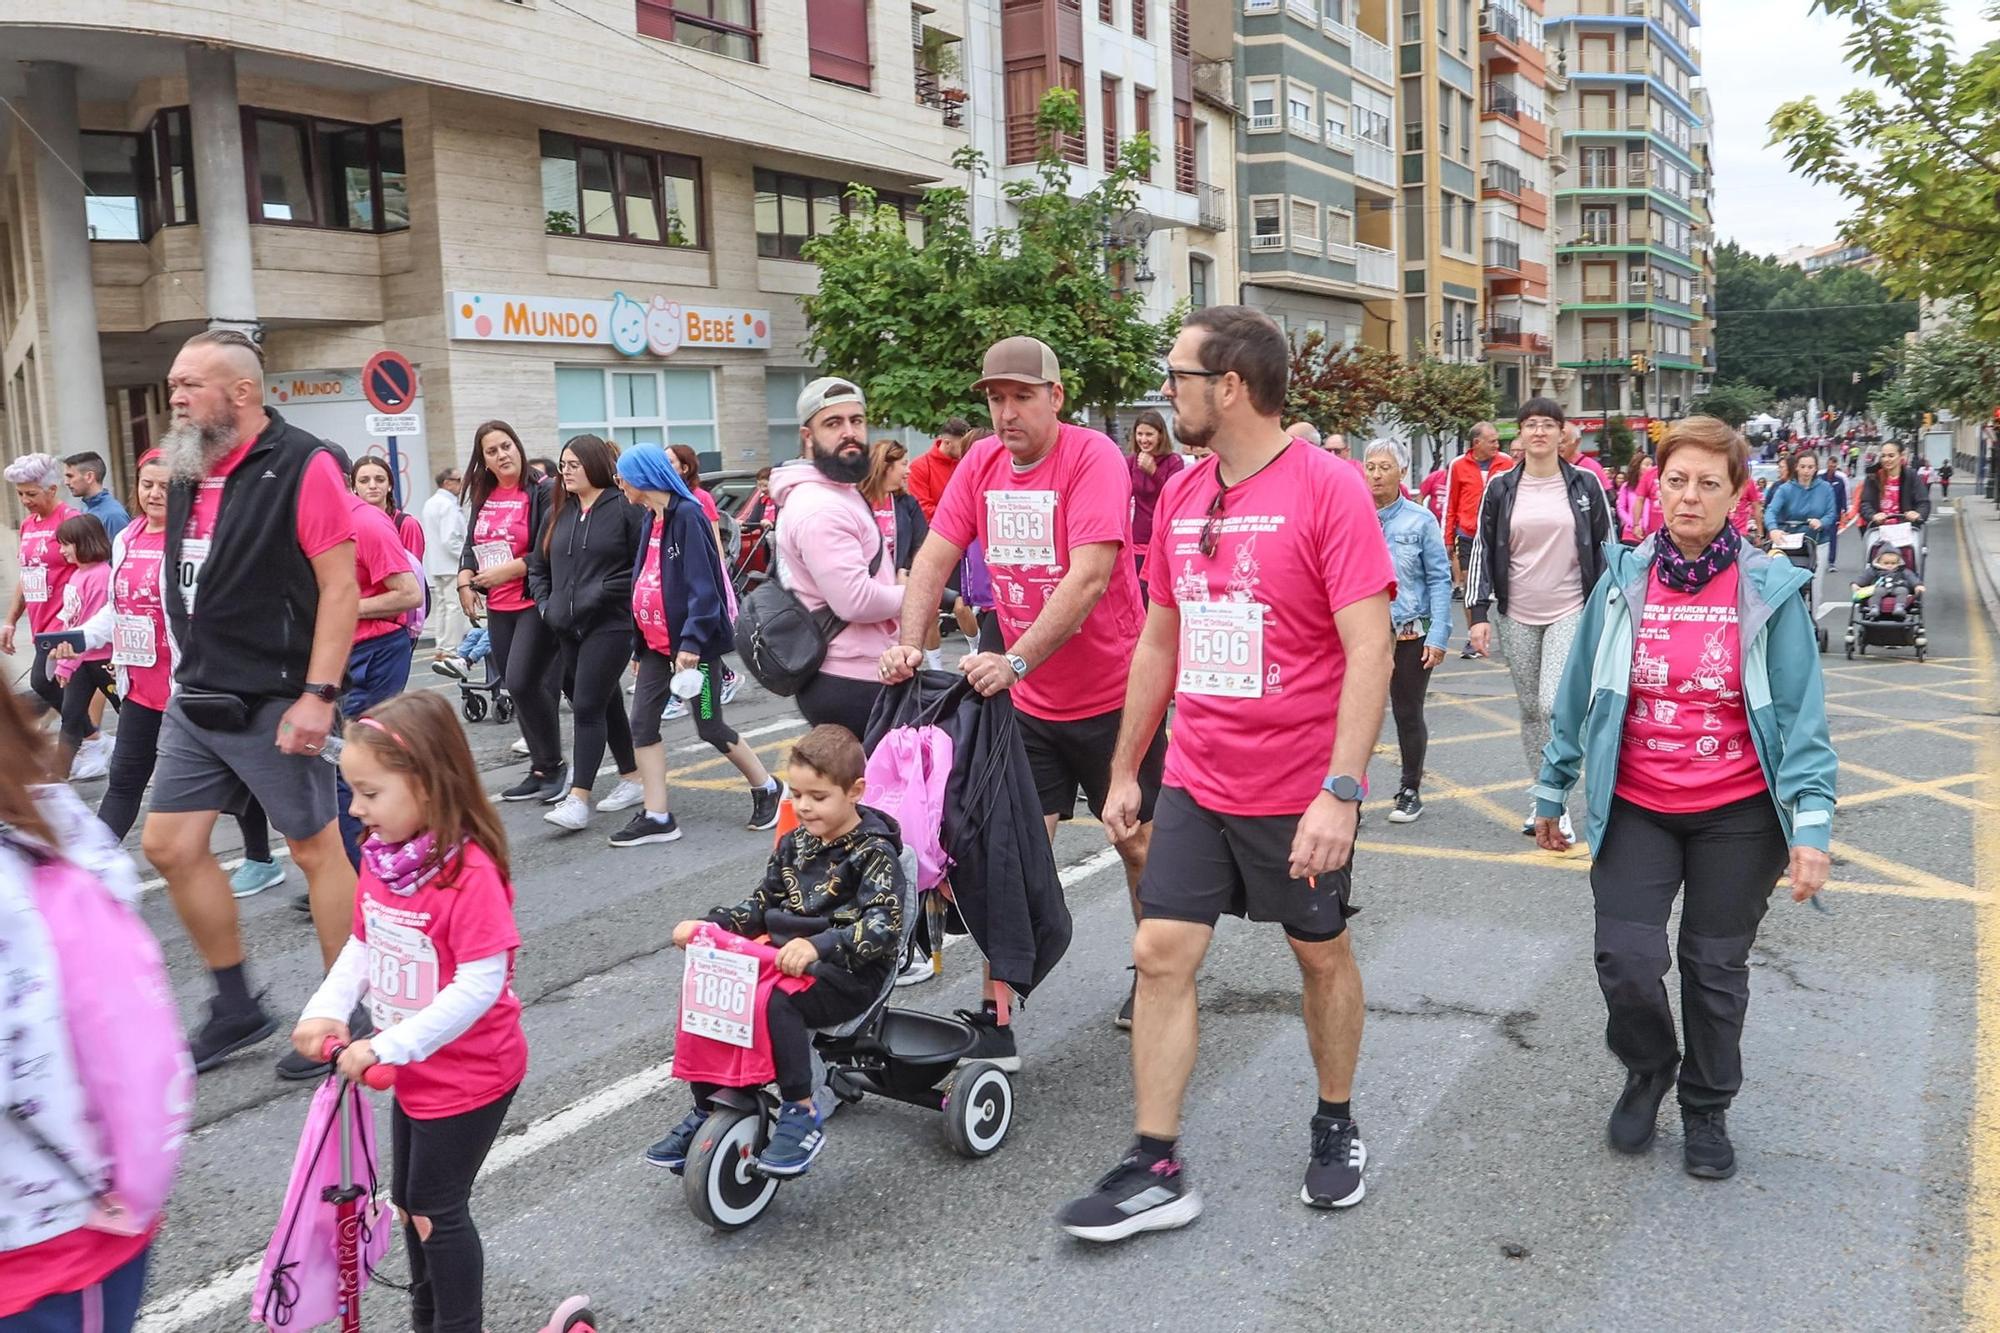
pixel 201 770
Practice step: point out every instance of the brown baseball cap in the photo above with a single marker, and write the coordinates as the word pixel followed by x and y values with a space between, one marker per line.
pixel 1021 360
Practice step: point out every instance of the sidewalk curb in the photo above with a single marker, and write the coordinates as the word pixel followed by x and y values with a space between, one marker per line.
pixel 1976 549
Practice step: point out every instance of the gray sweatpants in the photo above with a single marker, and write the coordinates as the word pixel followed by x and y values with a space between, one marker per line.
pixel 1536 656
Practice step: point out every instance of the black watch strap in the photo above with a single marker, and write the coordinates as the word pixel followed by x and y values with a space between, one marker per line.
pixel 330 693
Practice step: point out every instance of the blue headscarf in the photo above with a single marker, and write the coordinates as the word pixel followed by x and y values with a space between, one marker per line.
pixel 648 467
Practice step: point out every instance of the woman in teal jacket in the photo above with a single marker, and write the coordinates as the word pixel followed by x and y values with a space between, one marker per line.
pixel 1694 709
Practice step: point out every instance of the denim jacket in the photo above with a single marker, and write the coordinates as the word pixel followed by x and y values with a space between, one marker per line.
pixel 1791 504
pixel 1423 571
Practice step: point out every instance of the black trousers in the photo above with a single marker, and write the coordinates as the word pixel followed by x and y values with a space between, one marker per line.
pixel 431 1177
pixel 593 673
pixel 840 700
pixel 527 655
pixel 836 997
pixel 652 690
pixel 135 751
pixel 1728 860
pixel 1408 685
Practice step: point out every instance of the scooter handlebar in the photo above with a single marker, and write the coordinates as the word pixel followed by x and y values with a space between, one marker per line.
pixel 379 1077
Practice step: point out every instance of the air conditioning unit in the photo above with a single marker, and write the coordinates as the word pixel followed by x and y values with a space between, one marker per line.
pixel 1563 261
pixel 1486 21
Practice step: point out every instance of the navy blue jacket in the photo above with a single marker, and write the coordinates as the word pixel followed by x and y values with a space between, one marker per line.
pixel 690 582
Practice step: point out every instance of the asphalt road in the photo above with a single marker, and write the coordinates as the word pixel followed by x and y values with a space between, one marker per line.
pixel 1492 1202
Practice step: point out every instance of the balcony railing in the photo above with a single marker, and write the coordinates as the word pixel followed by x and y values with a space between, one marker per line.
pixel 1501 23
pixel 1608 120
pixel 1267 121
pixel 1339 140
pixel 1183 40
pixel 1503 177
pixel 1373 59
pixel 1268 240
pixel 1375 267
pixel 1340 254
pixel 1303 127
pixel 1212 211
pixel 1375 161
pixel 1184 168
pixel 1602 349
pixel 1503 254
pixel 1504 101
pixel 1260 6
pixel 1304 9
pixel 1024 143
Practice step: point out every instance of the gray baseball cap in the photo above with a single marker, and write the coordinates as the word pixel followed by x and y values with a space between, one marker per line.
pixel 825 392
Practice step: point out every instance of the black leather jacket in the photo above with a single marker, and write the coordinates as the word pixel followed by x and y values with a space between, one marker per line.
pixel 1486 570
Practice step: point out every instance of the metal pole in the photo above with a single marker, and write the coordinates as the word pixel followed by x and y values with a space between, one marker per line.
pixel 395 475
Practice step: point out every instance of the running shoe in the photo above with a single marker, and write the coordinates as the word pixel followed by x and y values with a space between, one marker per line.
pixel 253 877
pixel 561 787
pixel 572 813
pixel 643 830
pixel 731 682
pixel 227 1031
pixel 535 787
pixel 1707 1152
pixel 1471 653
pixel 1333 1172
pixel 1564 827
pixel 795 1141
pixel 519 747
pixel 92 761
pixel 671 1152
pixel 764 802
pixel 1636 1115
pixel 448 665
pixel 623 797
pixel 992 1041
pixel 919 970
pixel 1133 1196
pixel 1124 1020
pixel 676 709
pixel 1409 805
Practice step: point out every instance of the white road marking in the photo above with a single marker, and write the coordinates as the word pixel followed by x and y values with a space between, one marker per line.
pixel 234 1286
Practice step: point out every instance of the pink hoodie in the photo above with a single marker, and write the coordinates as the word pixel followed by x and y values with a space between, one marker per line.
pixel 827 535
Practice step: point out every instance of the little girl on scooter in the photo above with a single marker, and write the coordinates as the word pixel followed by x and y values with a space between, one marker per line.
pixel 841 866
pixel 433 955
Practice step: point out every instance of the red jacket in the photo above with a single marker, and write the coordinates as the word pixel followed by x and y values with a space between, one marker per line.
pixel 1465 487
pixel 927 479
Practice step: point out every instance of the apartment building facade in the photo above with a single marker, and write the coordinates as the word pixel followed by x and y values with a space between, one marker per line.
pixel 1443 117
pixel 1516 172
pixel 566 250
pixel 1629 256
pixel 1316 166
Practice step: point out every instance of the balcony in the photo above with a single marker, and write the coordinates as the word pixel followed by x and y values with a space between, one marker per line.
pixel 1303 127
pixel 1502 23
pixel 1340 254
pixel 932 93
pixel 1267 121
pixel 1606 120
pixel 1373 59
pixel 1308 10
pixel 1608 234
pixel 1268 240
pixel 1024 143
pixel 1503 178
pixel 1500 100
pixel 1261 6
pixel 1501 254
pixel 1339 140
pixel 1375 162
pixel 1375 267
pixel 1602 349
pixel 1212 211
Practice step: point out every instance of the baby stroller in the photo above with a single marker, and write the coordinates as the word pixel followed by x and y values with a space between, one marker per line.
pixel 1887 611
pixel 900 1054
pixel 754 545
pixel 1802 550
pixel 476 698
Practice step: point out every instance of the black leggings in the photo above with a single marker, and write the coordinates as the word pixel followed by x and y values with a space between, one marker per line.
pixel 1407 688
pixel 526 652
pixel 431 1177
pixel 836 997
pixel 650 695
pixel 841 700
pixel 593 672
pixel 88 680
pixel 136 750
pixel 1729 859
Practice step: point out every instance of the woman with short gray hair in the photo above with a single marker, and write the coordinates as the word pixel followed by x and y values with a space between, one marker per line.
pixel 44 573
pixel 1420 613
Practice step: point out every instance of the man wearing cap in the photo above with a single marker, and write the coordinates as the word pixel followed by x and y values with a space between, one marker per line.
pixel 830 552
pixel 1052 504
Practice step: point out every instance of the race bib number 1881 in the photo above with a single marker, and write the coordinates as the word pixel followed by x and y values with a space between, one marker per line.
pixel 1222 649
pixel 719 995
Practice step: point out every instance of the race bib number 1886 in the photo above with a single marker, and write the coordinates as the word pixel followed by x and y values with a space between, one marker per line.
pixel 719 994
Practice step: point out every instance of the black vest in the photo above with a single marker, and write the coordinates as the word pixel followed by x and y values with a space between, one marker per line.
pixel 258 599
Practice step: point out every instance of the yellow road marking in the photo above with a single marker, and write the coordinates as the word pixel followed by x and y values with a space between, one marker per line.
pixel 1937 788
pixel 1982 1208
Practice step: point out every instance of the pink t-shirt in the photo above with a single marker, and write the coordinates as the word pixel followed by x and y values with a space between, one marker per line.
pixel 83 596
pixel 466 912
pixel 1594 468
pixel 885 519
pixel 136 592
pixel 410 531
pixel 500 534
pixel 1259 657
pixel 1079 494
pixel 1892 497
pixel 1544 580
pixel 325 518
pixel 1687 739
pixel 1649 500
pixel 378 553
pixel 1746 507
pixel 1432 492
pixel 43 569
pixel 707 503
pixel 649 605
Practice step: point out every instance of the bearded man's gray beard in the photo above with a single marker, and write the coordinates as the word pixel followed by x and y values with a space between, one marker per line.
pixel 192 448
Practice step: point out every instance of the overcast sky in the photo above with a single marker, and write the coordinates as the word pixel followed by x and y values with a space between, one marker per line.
pixel 1757 54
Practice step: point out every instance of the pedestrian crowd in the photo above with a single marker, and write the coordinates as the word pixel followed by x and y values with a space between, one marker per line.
pixel 1270 590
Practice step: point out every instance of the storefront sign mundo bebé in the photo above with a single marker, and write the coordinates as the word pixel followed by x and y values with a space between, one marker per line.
pixel 657 325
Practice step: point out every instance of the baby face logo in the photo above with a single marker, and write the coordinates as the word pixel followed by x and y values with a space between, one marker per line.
pixel 663 326
pixel 627 324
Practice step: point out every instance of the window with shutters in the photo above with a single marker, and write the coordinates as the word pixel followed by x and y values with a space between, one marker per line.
pixel 837 36
pixel 1139 17
pixel 726 27
pixel 1108 98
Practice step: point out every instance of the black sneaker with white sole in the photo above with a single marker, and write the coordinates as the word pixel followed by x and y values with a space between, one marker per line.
pixel 1134 1196
pixel 991 1042
pixel 1333 1174
pixel 536 787
pixel 1408 806
pixel 764 806
pixel 643 830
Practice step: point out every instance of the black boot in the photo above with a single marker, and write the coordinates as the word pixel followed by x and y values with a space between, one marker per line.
pixel 1636 1117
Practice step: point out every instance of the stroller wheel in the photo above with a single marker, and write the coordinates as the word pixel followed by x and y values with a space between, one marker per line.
pixel 473 706
pixel 723 1187
pixel 503 707
pixel 978 1109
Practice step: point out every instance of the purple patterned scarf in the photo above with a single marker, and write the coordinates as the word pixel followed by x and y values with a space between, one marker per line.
pixel 403 867
pixel 1686 575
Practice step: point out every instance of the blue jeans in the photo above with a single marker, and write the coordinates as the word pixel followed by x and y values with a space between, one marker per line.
pixel 112 1306
pixel 377 669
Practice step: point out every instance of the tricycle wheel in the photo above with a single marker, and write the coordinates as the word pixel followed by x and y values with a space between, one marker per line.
pixel 978 1109
pixel 720 1180
pixel 474 707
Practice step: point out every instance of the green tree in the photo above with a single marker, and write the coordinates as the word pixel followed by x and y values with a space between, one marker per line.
pixel 1733 401
pixel 1920 158
pixel 912 322
pixel 1441 400
pixel 1339 389
pixel 1616 443
pixel 1803 333
pixel 1948 370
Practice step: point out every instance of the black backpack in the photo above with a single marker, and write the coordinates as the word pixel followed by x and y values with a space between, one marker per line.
pixel 781 643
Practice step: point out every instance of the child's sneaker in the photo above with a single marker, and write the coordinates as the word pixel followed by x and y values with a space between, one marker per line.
pixel 672 1151
pixel 794 1143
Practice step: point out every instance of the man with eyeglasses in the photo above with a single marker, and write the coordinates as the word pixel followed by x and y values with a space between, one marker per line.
pixel 1052 504
pixel 1269 630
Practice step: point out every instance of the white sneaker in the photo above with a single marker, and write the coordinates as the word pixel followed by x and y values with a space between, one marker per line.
pixel 519 747
pixel 1563 824
pixel 731 682
pixel 572 813
pixel 676 708
pixel 920 970
pixel 933 659
pixel 93 760
pixel 623 796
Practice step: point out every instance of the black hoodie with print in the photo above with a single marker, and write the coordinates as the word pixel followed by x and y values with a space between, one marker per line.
pixel 855 881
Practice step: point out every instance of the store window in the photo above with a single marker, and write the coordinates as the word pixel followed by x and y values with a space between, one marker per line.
pixel 322 173
pixel 618 193
pixel 726 27
pixel 173 165
pixel 654 406
pixel 282 171
pixel 791 210
pixel 116 205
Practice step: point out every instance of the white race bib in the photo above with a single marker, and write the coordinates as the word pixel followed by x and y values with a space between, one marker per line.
pixel 35 583
pixel 1222 649
pixel 194 554
pixel 133 643
pixel 402 972
pixel 719 995
pixel 1021 528
pixel 488 554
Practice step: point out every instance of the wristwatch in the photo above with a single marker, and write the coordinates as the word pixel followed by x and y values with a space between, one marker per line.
pixel 329 693
pixel 1019 664
pixel 1343 788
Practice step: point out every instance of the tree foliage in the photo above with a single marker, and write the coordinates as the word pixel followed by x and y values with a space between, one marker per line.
pixel 912 323
pixel 1733 401
pixel 1804 333
pixel 1340 389
pixel 1441 400
pixel 1920 159
pixel 1617 443
pixel 1948 370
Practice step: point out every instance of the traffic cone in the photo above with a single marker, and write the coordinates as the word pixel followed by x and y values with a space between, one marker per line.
pixel 788 819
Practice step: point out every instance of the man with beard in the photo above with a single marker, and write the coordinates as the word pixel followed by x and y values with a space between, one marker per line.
pixel 260 601
pixel 1052 504
pixel 831 553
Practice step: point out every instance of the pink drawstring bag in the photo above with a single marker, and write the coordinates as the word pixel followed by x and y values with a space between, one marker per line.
pixel 906 776
pixel 299 1283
